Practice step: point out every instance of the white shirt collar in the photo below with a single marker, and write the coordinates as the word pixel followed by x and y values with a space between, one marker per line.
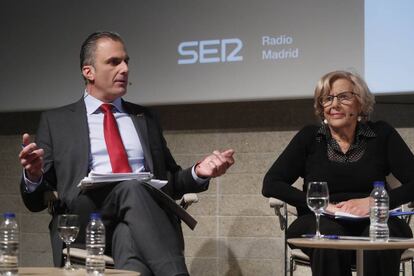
pixel 93 104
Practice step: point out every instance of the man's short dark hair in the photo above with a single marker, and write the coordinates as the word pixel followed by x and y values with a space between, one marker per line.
pixel 87 53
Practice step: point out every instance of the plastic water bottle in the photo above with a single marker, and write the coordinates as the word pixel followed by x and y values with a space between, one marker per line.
pixel 379 208
pixel 9 245
pixel 95 246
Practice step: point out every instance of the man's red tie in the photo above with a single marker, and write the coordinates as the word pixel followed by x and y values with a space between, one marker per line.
pixel 114 145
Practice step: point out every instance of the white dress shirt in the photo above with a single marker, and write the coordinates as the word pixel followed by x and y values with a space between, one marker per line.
pixel 98 156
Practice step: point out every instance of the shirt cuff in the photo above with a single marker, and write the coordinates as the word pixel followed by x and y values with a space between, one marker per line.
pixel 30 185
pixel 198 179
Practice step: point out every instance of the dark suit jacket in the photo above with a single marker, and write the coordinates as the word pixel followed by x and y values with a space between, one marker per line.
pixel 64 135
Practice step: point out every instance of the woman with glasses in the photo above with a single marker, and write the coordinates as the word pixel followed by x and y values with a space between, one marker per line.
pixel 349 152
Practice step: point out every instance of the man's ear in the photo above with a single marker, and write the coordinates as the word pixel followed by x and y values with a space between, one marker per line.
pixel 88 72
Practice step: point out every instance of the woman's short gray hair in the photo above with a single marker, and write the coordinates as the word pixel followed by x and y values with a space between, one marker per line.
pixel 323 88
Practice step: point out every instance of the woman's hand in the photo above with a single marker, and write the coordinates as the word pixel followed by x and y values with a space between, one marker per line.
pixel 332 208
pixel 357 206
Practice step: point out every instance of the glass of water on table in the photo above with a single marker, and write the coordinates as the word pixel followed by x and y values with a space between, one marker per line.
pixel 317 198
pixel 68 228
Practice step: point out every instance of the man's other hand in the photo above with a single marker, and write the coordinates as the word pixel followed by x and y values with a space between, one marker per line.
pixel 215 164
pixel 31 158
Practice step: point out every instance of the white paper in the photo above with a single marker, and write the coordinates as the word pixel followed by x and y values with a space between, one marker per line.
pixel 158 184
pixel 348 215
pixel 94 179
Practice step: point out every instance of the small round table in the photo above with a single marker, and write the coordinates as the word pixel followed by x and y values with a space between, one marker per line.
pixel 357 244
pixel 54 271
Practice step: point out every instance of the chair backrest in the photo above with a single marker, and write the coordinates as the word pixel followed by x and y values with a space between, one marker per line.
pixel 392 182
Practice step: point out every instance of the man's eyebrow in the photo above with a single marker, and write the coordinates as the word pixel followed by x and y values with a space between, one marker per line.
pixel 117 59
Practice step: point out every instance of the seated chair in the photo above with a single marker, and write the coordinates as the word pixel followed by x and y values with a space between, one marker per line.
pixel 283 211
pixel 78 255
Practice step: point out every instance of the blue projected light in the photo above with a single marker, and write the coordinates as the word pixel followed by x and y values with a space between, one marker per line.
pixel 389 45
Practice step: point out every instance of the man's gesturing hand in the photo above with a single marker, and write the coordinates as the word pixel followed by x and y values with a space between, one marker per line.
pixel 215 164
pixel 31 158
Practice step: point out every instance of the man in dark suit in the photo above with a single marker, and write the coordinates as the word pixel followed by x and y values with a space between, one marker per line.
pixel 103 133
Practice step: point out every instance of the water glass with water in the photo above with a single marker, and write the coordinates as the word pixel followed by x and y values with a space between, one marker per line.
pixel 68 228
pixel 317 198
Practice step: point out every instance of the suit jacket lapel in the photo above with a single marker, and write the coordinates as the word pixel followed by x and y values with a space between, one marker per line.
pixel 82 149
pixel 140 123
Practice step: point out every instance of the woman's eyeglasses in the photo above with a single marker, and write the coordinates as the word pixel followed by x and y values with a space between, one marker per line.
pixel 343 98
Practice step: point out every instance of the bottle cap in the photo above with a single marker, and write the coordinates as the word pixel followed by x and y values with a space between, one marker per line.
pixel 9 215
pixel 379 184
pixel 95 216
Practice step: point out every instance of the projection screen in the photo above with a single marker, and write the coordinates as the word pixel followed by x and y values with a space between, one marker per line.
pixel 194 51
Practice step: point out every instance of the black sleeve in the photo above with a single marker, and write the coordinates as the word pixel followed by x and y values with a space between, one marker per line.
pixel 288 168
pixel 401 164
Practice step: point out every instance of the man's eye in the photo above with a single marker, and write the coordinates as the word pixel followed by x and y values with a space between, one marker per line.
pixel 114 61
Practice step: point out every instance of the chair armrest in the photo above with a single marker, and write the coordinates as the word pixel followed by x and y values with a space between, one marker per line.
pixel 188 199
pixel 49 198
pixel 278 205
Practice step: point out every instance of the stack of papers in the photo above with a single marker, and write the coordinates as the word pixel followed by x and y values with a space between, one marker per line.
pixel 340 214
pixel 95 179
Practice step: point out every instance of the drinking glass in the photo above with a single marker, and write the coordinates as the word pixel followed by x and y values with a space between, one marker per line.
pixel 317 198
pixel 68 228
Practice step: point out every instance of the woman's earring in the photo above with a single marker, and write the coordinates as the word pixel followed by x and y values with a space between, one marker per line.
pixel 325 121
pixel 359 118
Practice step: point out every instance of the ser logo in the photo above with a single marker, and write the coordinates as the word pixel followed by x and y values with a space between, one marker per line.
pixel 210 51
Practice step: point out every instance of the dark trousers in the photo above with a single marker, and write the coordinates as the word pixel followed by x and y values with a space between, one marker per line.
pixel 328 262
pixel 140 235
